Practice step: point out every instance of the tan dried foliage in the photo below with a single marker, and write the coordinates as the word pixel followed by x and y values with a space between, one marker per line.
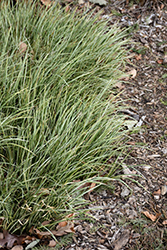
pixel 22 47
pixel 52 243
pixel 60 230
pixel 151 216
pixel 17 247
pixel 46 2
pixel 8 240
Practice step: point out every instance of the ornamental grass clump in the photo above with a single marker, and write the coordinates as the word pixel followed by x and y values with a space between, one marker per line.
pixel 58 122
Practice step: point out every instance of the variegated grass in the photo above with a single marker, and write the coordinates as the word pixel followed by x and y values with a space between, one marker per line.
pixel 58 122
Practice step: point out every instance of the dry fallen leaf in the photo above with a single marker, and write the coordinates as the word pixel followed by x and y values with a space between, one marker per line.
pixel 46 222
pixel 162 6
pixel 17 247
pixel 158 192
pixel 29 239
pixel 132 73
pixel 62 223
pixel 10 239
pixel 46 2
pixel 22 47
pixel 68 228
pixel 151 216
pixel 164 189
pixel 138 57
pixel 52 243
pixel 160 61
pixel 164 222
pixel 38 233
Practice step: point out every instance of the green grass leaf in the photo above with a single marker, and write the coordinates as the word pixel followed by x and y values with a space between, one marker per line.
pixel 58 124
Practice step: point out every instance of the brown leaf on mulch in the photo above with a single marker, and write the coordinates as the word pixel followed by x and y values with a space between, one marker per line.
pixel 132 73
pixel 138 57
pixel 164 222
pixel 164 189
pixel 61 229
pixel 15 242
pixel 46 222
pixel 158 192
pixel 151 216
pixel 160 61
pixel 17 247
pixel 9 240
pixel 52 243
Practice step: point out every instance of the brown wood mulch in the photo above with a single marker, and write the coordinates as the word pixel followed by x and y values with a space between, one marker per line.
pixel 136 219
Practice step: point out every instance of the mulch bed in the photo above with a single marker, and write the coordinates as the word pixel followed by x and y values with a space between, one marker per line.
pixel 116 220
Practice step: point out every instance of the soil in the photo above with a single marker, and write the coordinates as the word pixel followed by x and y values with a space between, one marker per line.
pixel 136 218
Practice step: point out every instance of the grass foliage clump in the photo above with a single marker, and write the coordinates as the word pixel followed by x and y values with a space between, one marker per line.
pixel 58 122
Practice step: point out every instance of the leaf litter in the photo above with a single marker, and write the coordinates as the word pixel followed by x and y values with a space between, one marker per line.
pixel 15 242
pixel 8 240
